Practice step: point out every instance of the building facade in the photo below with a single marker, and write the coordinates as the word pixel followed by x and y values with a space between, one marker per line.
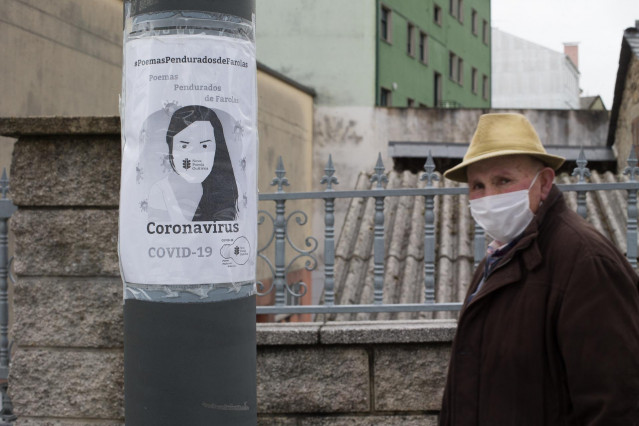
pixel 533 76
pixel 623 133
pixel 381 53
pixel 433 53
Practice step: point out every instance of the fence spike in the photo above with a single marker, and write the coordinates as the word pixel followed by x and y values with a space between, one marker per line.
pixel 379 175
pixel 281 179
pixel 4 183
pixel 430 174
pixel 581 170
pixel 632 168
pixel 328 178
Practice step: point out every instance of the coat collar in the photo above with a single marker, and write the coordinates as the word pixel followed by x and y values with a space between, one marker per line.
pixel 527 247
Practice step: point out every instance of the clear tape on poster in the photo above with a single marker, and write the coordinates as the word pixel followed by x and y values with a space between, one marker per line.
pixel 188 195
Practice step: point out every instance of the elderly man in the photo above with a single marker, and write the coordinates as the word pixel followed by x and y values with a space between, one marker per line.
pixel 549 330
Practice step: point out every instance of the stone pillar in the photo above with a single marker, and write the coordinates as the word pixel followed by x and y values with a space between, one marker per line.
pixel 67 334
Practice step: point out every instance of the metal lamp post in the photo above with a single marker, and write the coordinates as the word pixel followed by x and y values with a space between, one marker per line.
pixel 188 212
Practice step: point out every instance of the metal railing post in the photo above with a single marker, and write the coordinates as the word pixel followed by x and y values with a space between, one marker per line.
pixel 6 210
pixel 378 242
pixel 631 229
pixel 582 171
pixel 479 245
pixel 279 280
pixel 329 234
pixel 429 231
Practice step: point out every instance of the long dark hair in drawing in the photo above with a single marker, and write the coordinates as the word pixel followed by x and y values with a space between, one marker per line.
pixel 219 195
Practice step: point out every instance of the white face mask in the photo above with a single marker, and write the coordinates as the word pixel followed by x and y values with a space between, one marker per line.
pixel 503 216
pixel 194 151
pixel 193 167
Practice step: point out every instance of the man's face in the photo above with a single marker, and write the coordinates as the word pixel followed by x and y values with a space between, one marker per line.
pixel 507 174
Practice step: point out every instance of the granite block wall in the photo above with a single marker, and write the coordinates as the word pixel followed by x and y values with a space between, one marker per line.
pixel 67 363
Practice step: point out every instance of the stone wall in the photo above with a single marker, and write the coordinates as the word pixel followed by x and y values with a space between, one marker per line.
pixel 67 361
pixel 67 364
pixel 355 135
pixel 373 373
pixel 628 113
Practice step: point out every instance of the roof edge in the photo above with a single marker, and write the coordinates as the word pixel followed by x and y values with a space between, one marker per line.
pixel 308 90
pixel 56 125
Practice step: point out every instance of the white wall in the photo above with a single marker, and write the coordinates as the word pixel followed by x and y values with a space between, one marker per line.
pixel 65 57
pixel 328 45
pixel 61 57
pixel 527 75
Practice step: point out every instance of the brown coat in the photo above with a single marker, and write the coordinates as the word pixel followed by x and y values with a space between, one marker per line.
pixel 552 337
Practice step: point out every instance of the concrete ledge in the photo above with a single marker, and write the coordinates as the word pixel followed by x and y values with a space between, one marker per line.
pixel 376 332
pixel 357 332
pixel 50 421
pixel 287 334
pixel 376 420
pixel 29 126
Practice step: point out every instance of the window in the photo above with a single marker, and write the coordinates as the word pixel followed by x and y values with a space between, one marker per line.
pixel 423 47
pixel 410 42
pixel 455 68
pixel 473 22
pixel 385 24
pixel 473 80
pixel 484 31
pixel 485 88
pixel 437 15
pixel 452 66
pixel 456 8
pixel 410 102
pixel 385 97
pixel 437 89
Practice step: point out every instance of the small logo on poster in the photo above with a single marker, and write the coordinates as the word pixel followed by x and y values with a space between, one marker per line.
pixel 186 164
pixel 239 251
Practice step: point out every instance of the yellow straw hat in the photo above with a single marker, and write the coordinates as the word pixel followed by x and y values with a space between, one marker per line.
pixel 502 134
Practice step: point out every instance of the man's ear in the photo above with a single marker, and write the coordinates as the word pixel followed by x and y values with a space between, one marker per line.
pixel 546 178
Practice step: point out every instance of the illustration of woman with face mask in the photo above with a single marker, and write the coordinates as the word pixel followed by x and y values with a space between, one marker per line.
pixel 201 185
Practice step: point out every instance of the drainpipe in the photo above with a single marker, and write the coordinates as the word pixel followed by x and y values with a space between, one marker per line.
pixel 188 212
pixel 377 89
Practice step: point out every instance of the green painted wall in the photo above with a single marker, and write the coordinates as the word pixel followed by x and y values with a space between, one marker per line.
pixel 334 47
pixel 407 77
pixel 328 45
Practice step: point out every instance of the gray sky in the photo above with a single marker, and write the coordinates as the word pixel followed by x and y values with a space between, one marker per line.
pixel 597 25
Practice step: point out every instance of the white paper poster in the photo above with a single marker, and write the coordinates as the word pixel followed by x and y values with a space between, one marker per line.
pixel 188 200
